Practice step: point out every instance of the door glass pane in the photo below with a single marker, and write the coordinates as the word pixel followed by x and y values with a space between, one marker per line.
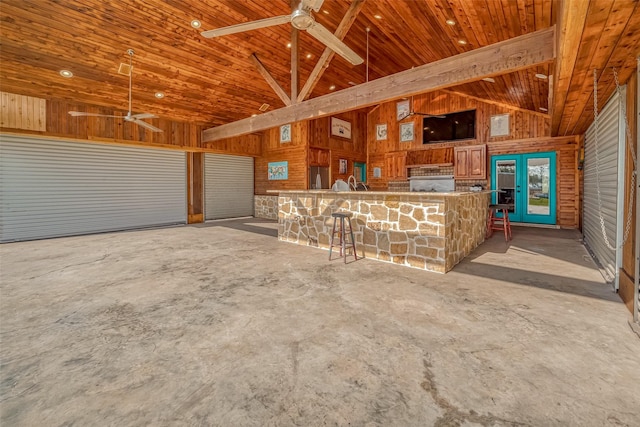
pixel 506 183
pixel 538 186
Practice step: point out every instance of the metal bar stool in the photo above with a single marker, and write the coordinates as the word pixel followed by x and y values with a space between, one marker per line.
pixel 496 223
pixel 343 220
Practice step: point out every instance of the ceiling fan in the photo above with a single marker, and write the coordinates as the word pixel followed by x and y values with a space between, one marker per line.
pixel 407 111
pixel 301 19
pixel 134 118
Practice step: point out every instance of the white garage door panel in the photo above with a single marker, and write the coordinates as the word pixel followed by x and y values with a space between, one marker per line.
pixel 608 158
pixel 59 188
pixel 228 186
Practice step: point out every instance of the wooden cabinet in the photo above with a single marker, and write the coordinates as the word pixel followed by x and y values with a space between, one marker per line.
pixel 396 165
pixel 470 162
pixel 319 157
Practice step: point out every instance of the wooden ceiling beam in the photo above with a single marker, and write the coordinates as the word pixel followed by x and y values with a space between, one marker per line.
pixel 572 19
pixel 507 56
pixel 328 54
pixel 269 78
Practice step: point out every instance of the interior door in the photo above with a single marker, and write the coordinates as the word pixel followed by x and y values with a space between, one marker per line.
pixel 527 184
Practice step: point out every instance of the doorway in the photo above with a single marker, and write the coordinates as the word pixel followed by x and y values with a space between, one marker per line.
pixel 527 184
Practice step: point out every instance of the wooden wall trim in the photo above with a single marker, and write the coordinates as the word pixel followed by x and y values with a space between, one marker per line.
pixel 22 112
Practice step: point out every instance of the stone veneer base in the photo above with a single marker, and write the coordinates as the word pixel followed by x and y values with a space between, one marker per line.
pixel 265 207
pixel 430 231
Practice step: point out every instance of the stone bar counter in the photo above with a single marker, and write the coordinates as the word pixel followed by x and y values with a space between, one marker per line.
pixel 430 231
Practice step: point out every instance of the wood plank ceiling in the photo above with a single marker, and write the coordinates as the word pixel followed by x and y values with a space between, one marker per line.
pixel 215 81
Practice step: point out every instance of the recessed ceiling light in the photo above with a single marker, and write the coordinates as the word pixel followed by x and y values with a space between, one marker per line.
pixel 543 109
pixel 377 16
pixel 462 42
pixel 541 76
pixel 332 87
pixel 159 95
pixel 66 73
pixel 289 45
pixel 450 22
pixel 253 115
pixel 308 56
pixel 196 24
pixel 326 12
pixel 489 79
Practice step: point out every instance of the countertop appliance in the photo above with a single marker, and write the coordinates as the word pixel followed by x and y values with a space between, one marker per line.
pixel 433 183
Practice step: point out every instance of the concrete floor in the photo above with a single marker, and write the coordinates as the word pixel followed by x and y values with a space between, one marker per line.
pixel 221 324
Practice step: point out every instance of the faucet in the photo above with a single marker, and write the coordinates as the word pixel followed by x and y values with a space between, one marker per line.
pixel 353 186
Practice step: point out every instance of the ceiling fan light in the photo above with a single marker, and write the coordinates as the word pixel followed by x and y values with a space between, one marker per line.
pixel 66 74
pixel 301 20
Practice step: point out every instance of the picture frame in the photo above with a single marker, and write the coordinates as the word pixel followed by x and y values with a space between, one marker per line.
pixel 406 132
pixel 402 109
pixel 285 133
pixel 340 128
pixel 277 171
pixel 381 132
pixel 500 125
pixel 343 167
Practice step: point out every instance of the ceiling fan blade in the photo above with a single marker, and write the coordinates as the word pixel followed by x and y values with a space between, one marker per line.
pixel 335 44
pixel 144 116
pixel 314 5
pixel 435 116
pixel 246 26
pixel 83 114
pixel 143 124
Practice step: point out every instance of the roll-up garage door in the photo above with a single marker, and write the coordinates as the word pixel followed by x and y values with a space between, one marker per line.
pixel 228 186
pixel 61 188
pixel 610 134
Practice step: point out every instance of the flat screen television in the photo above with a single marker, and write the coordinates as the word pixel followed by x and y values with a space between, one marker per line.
pixel 450 127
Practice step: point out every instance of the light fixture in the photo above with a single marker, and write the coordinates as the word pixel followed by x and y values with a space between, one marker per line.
pixel 253 115
pixel 489 79
pixel 462 42
pixel 66 73
pixel 308 56
pixel 196 24
pixel 289 45
pixel 326 12
pixel 541 76
pixel 450 22
pixel 377 16
pixel 543 109
pixel 159 95
pixel 332 87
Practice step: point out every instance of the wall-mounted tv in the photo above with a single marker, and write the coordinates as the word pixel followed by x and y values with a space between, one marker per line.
pixel 449 127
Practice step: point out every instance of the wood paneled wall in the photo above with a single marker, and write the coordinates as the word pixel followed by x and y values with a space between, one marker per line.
pixel 522 124
pixel 245 145
pixel 627 272
pixel 22 112
pixel 58 123
pixel 306 134
pixel 352 150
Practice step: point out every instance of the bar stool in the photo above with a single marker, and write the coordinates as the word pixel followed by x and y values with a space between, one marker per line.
pixel 496 223
pixel 342 219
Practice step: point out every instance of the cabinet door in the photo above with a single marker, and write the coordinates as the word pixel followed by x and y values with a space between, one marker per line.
pixel 477 162
pixel 396 165
pixel 461 162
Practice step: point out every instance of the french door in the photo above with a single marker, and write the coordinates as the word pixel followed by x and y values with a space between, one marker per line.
pixel 527 184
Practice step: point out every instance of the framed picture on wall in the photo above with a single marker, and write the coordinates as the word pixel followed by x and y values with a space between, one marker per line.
pixel 277 171
pixel 381 132
pixel 341 128
pixel 285 133
pixel 343 166
pixel 402 109
pixel 500 125
pixel 406 132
